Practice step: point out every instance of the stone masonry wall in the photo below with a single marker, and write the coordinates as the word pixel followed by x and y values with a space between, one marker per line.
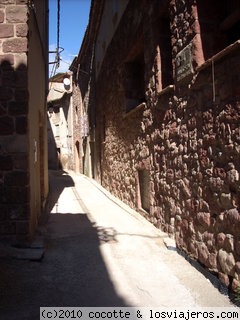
pixel 196 171
pixel 81 78
pixel 14 176
pixel 77 137
pixel 202 172
pixel 188 137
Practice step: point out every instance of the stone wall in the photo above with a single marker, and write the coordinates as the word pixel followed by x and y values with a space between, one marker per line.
pixel 77 137
pixel 80 96
pixel 23 156
pixel 84 111
pixel 187 136
pixel 203 126
pixel 196 158
pixel 14 176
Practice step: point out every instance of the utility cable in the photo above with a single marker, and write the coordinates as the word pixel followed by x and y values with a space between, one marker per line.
pixel 56 62
pixel 58 34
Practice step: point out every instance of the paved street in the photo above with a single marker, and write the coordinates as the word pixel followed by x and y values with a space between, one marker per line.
pixel 98 252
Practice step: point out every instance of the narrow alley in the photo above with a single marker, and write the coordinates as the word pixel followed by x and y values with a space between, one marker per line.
pixel 149 108
pixel 98 252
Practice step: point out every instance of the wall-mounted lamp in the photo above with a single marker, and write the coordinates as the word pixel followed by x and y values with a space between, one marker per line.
pixel 66 83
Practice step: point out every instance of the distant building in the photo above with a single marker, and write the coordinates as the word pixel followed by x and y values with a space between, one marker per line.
pixel 165 118
pixel 60 143
pixel 23 116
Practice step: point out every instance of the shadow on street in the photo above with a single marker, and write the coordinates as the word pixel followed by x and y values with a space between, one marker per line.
pixel 71 274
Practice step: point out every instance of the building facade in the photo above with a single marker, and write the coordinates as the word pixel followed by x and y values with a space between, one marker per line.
pixel 60 122
pixel 23 133
pixel 167 119
pixel 83 93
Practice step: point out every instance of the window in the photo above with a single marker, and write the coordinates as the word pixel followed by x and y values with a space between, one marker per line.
pixel 165 52
pixel 231 21
pixel 115 9
pixel 219 23
pixel 57 130
pixel 134 82
pixel 56 109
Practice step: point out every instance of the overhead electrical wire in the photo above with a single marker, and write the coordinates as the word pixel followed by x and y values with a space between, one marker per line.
pixel 58 33
pixel 56 62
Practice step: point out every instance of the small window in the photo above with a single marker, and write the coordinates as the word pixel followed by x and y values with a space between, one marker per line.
pixel 76 114
pixel 56 109
pixel 144 187
pixel 115 10
pixel 219 23
pixel 165 52
pixel 134 82
pixel 230 24
pixel 57 130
